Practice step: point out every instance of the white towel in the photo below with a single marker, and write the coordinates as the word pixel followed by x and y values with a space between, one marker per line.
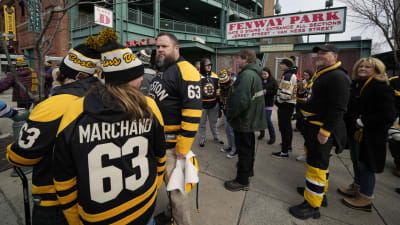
pixel 185 172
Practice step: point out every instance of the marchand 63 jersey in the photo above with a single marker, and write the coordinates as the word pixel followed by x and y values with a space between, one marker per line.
pixel 107 169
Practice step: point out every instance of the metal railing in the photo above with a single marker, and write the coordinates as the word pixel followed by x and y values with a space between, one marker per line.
pixel 84 21
pixel 238 8
pixel 139 17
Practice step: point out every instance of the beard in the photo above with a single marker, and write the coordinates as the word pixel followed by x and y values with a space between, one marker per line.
pixel 167 60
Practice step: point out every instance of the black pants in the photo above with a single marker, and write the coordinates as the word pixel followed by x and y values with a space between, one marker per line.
pixel 25 105
pixel 285 111
pixel 245 146
pixel 317 154
pixel 52 215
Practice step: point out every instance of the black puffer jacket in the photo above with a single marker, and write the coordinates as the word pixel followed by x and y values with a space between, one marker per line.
pixel 270 88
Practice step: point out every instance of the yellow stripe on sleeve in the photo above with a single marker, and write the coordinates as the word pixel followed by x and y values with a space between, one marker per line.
pixel 43 189
pixel 68 198
pixel 19 159
pixel 172 128
pixel 190 126
pixel 191 112
pixel 162 160
pixel 65 185
pixel 324 132
pixel 47 203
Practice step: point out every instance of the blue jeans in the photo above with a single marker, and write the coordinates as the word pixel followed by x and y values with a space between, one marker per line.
pixel 270 126
pixel 364 178
pixel 229 133
pixel 151 221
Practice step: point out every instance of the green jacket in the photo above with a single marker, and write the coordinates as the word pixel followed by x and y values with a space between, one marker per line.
pixel 245 105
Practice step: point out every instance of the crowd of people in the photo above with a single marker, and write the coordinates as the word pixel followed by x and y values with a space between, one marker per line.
pixel 118 124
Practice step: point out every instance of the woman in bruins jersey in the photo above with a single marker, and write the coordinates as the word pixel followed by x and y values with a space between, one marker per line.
pixel 110 154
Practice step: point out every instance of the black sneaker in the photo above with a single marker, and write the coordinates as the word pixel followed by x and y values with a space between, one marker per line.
pixel 233 185
pixel 280 155
pixel 162 219
pixel 304 211
pixel 261 136
pixel 324 203
pixel 218 141
pixel 271 141
pixel 202 143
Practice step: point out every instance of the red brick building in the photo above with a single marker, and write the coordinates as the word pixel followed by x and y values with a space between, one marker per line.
pixel 25 42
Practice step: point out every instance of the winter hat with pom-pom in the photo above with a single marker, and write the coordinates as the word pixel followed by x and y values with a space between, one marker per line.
pixel 82 58
pixel 289 61
pixel 118 62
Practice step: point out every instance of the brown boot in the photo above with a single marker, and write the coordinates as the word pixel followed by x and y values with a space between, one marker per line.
pixel 351 191
pixel 360 202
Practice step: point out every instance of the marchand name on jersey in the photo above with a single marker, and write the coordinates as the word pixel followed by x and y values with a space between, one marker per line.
pixel 102 131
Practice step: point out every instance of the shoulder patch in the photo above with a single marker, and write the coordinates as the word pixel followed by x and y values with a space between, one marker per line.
pixel 152 104
pixel 73 111
pixel 52 108
pixel 188 71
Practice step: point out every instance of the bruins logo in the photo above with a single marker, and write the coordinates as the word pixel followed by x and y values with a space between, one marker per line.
pixel 208 90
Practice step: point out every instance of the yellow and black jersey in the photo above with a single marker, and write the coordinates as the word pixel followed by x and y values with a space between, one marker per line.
pixel 37 137
pixel 325 100
pixel 107 168
pixel 287 88
pixel 177 92
pixel 210 90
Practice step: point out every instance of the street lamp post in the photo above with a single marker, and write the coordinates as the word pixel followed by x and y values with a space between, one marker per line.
pixel 328 4
pixel 277 7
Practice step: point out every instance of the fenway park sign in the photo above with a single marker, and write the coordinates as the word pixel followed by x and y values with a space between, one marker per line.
pixel 305 23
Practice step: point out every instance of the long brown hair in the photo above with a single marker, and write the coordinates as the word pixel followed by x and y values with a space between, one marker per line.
pixel 131 101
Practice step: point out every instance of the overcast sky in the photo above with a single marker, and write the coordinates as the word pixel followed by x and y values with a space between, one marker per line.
pixel 352 28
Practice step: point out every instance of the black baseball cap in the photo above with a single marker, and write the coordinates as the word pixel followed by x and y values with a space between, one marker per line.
pixel 326 48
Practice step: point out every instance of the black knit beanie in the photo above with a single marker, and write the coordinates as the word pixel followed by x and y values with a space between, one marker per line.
pixel 289 61
pixel 82 58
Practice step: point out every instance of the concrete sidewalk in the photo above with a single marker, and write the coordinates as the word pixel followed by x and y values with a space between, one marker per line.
pixel 272 190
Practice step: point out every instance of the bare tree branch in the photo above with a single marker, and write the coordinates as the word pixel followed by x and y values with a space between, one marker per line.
pixel 12 68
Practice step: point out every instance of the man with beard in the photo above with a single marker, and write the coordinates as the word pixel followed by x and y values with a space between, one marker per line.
pixel 322 105
pixel 246 114
pixel 176 90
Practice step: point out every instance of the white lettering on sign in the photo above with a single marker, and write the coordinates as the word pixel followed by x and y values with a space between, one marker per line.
pixel 312 22
pixel 103 16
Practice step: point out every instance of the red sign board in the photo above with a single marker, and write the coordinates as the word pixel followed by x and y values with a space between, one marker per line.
pixel 141 42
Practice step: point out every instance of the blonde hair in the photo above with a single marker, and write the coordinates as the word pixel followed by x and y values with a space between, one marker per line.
pixel 131 101
pixel 379 67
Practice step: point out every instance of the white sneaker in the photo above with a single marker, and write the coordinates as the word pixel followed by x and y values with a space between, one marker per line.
pixel 226 149
pixel 232 154
pixel 301 157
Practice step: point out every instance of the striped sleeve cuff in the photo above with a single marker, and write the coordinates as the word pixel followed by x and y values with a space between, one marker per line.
pixel 324 132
